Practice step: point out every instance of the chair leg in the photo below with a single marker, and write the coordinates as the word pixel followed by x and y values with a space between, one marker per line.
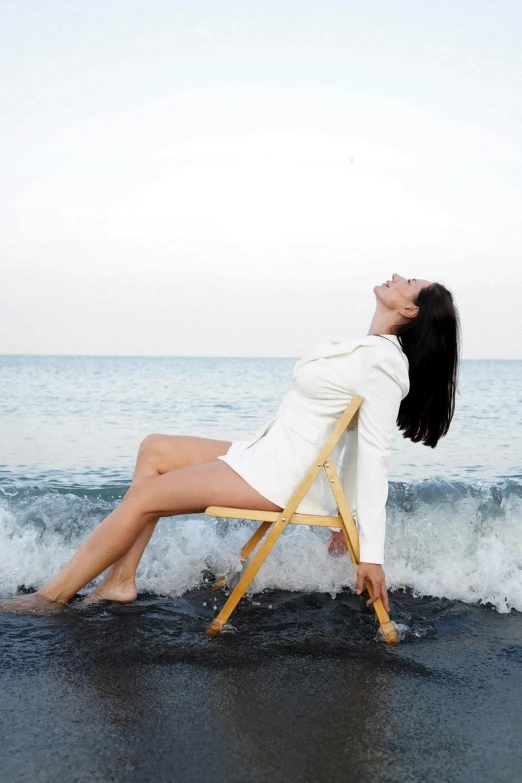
pixel 245 552
pixel 256 538
pixel 352 541
pixel 388 631
pixel 247 576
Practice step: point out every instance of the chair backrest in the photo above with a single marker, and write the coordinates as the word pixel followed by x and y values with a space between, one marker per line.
pixel 323 455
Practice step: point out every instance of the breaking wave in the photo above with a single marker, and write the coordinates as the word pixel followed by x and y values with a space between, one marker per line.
pixel 451 539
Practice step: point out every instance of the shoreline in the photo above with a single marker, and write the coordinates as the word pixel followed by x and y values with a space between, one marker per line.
pixel 299 692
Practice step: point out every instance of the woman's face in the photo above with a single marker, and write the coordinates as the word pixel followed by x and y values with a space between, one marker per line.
pixel 399 291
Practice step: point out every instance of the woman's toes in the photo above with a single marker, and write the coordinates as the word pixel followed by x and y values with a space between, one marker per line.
pixel 92 598
pixel 32 603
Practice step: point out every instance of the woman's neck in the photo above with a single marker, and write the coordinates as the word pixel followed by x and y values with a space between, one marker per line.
pixel 382 324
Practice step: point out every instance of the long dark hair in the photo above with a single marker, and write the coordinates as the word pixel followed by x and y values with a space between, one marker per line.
pixel 431 341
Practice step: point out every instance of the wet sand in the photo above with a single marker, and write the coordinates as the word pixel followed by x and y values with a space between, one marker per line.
pixel 298 692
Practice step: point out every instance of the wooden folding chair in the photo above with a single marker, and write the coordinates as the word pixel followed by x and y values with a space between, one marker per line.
pixel 278 520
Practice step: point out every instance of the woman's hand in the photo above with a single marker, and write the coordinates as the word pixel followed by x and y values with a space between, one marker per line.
pixel 337 545
pixel 374 573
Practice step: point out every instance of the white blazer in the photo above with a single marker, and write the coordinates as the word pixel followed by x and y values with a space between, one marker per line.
pixel 275 460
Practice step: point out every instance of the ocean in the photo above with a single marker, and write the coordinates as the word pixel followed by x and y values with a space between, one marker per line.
pixel 300 688
pixel 71 427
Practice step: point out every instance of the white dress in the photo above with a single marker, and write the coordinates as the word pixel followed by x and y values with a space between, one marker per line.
pixel 277 457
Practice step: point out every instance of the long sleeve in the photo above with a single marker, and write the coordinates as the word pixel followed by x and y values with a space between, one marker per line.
pixel 382 395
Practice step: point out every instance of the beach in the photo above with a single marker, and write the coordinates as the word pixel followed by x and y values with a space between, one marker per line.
pixel 196 197
pixel 300 687
pixel 298 692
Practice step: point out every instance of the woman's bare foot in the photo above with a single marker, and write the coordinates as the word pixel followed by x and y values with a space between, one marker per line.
pixel 123 590
pixel 32 603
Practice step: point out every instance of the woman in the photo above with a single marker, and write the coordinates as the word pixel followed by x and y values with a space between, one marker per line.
pixel 406 372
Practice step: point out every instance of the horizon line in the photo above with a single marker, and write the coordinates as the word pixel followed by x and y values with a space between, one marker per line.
pixel 198 356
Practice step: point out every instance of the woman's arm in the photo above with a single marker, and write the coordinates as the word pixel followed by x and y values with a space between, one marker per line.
pixel 382 395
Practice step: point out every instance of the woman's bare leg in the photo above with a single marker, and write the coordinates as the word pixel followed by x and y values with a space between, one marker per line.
pixel 157 454
pixel 186 490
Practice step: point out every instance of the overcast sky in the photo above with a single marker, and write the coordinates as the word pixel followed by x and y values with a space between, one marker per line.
pixel 234 178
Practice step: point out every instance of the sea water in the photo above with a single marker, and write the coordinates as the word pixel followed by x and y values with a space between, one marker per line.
pixel 71 426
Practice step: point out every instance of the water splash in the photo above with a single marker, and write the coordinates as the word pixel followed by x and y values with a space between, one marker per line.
pixel 455 540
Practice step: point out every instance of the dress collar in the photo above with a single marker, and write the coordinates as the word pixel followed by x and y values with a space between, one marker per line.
pixel 392 338
pixel 336 346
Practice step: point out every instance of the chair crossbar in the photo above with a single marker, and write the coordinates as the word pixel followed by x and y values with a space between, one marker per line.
pixel 271 516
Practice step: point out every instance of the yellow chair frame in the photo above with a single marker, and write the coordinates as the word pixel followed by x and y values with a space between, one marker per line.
pixel 278 520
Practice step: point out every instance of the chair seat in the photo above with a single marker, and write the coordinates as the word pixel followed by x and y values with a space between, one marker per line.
pixel 271 516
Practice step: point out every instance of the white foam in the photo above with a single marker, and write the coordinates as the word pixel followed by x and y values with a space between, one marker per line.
pixel 457 551
pixel 450 549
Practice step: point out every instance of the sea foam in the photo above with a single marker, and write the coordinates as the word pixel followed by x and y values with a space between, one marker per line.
pixel 447 539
